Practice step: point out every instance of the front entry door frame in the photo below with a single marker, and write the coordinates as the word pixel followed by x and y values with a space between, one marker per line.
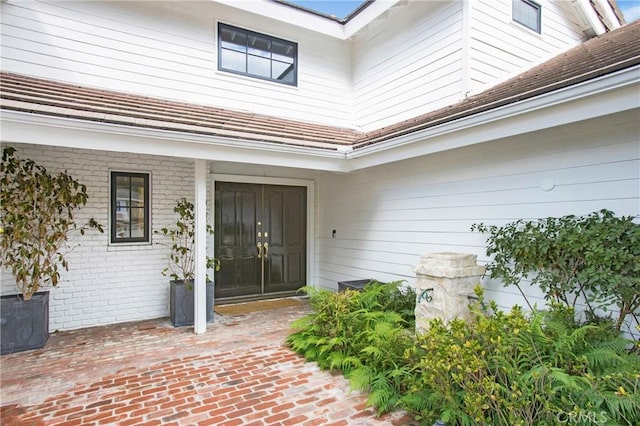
pixel 260 180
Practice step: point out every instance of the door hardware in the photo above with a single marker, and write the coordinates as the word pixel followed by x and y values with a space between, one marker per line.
pixel 266 250
pixel 259 245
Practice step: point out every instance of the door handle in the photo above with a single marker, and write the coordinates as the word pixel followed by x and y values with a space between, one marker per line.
pixel 266 250
pixel 259 245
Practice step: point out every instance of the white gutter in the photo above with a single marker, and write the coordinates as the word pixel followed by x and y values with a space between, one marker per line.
pixel 24 127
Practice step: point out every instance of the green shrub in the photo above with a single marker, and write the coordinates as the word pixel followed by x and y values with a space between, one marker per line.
pixel 362 333
pixel 593 258
pixel 500 368
pixel 513 369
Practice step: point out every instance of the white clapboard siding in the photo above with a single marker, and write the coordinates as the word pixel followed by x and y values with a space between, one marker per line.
pixel 157 49
pixel 386 217
pixel 493 59
pixel 420 65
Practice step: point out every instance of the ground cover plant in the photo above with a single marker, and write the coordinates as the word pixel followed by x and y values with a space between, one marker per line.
pixel 364 334
pixel 517 368
pixel 499 368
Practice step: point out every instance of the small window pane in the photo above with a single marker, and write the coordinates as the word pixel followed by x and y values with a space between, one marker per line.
pixel 234 61
pixel 137 192
pixel 283 52
pixel 259 66
pixel 282 71
pixel 259 46
pixel 234 40
pixel 137 223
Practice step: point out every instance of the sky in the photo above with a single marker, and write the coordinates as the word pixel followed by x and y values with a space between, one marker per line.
pixel 630 9
pixel 341 8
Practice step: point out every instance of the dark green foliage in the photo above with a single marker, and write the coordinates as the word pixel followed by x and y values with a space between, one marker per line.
pixel 182 237
pixel 364 334
pixel 514 369
pixel 500 368
pixel 36 218
pixel 593 258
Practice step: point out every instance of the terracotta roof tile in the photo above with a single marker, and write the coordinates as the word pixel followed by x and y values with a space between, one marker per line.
pixel 602 55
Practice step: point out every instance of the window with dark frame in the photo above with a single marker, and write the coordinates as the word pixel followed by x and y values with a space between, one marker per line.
pixel 130 207
pixel 257 55
pixel 528 13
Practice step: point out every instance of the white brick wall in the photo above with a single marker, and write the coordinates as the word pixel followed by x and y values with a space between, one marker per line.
pixel 111 283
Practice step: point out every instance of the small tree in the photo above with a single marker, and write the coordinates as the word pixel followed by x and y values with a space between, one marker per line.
pixel 593 258
pixel 182 244
pixel 37 219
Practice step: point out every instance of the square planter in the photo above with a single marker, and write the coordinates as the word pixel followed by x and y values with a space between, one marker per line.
pixel 181 303
pixel 24 324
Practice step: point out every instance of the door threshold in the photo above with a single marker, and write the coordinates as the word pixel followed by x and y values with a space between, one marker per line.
pixel 256 297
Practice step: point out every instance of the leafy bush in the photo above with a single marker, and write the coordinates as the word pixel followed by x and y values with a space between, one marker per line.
pixel 182 237
pixel 593 258
pixel 36 220
pixel 499 368
pixel 511 369
pixel 364 334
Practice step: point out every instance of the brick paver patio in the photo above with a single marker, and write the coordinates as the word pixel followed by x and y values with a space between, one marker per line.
pixel 145 373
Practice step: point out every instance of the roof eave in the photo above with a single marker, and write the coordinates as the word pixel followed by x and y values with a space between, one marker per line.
pixel 529 115
pixel 39 129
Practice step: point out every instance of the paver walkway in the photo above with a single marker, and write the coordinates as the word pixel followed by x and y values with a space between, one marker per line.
pixel 145 373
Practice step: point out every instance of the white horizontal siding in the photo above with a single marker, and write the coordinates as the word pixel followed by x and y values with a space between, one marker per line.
pixel 399 74
pixel 168 50
pixel 386 217
pixel 500 48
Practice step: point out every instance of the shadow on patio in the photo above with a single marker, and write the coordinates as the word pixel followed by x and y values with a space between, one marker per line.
pixel 237 373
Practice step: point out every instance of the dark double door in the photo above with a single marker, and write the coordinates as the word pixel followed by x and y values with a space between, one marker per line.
pixel 260 239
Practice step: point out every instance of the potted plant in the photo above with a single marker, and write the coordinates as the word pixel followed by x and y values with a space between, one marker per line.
pixel 37 217
pixel 182 266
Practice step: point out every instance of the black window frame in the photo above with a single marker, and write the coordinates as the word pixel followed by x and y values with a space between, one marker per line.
pixel 248 33
pixel 114 208
pixel 532 4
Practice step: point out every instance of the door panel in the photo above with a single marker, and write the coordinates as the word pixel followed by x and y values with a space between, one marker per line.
pixel 249 214
pixel 237 213
pixel 286 217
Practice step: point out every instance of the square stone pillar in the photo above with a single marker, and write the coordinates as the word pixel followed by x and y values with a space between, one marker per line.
pixel 443 286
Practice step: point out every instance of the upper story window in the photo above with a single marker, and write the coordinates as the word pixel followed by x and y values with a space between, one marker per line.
pixel 527 13
pixel 257 55
pixel 130 209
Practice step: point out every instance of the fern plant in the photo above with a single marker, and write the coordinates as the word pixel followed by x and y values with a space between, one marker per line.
pixel 363 334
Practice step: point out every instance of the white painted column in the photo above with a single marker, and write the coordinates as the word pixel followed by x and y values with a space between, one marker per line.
pixel 200 212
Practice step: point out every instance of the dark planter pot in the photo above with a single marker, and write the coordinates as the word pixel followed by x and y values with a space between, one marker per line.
pixel 24 324
pixel 181 303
